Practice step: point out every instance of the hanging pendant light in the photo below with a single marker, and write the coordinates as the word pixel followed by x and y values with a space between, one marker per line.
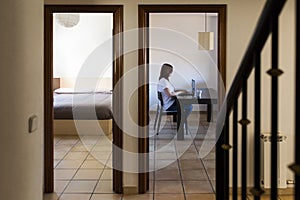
pixel 206 39
pixel 67 20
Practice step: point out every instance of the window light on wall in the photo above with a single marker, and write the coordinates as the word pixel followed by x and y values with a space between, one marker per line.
pixel 206 39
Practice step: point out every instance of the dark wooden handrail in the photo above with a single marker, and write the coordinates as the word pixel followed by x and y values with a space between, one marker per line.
pixel 267 24
pixel 272 8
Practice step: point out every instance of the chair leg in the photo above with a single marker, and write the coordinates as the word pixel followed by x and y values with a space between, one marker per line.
pixel 158 125
pixel 155 121
pixel 186 124
pixel 186 127
pixel 174 118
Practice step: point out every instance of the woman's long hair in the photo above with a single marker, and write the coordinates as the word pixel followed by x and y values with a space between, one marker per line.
pixel 165 71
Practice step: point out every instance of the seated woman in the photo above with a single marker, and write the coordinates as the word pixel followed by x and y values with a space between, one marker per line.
pixel 168 91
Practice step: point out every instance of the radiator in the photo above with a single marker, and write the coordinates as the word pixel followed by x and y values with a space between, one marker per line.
pixel 266 160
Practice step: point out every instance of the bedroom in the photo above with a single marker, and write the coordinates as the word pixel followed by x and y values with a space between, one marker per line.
pixel 74 46
pixel 82 93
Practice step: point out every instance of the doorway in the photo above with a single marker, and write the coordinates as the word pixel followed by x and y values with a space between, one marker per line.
pixel 144 60
pixel 117 72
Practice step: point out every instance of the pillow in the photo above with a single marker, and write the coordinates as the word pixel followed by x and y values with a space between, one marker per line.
pixel 105 91
pixel 72 91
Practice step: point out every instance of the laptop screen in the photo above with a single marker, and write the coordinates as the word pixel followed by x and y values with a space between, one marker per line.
pixel 193 86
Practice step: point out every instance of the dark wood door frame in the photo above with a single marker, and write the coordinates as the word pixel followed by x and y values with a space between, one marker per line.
pixel 118 69
pixel 143 103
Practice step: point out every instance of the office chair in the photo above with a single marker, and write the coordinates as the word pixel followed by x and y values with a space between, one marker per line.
pixel 160 111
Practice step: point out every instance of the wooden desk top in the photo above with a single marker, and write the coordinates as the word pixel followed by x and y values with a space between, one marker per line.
pixel 203 96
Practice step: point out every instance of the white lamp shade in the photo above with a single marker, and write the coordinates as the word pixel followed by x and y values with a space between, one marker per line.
pixel 206 40
pixel 68 20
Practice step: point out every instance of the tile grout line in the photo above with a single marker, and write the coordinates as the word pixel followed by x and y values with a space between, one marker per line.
pixel 74 173
pixel 72 178
pixel 64 155
pixel 209 179
pixel 98 180
pixel 179 168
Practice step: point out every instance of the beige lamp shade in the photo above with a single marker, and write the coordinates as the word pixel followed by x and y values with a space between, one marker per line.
pixel 206 40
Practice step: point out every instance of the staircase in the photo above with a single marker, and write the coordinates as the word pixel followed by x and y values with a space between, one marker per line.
pixel 267 26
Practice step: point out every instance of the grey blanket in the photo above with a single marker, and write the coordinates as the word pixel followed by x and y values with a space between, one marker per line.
pixel 96 106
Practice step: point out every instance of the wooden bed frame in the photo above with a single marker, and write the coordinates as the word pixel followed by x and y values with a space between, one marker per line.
pixel 67 127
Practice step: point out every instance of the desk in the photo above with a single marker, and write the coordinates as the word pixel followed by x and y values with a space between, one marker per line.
pixel 208 97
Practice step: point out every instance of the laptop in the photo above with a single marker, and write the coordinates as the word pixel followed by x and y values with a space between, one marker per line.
pixel 190 92
pixel 193 87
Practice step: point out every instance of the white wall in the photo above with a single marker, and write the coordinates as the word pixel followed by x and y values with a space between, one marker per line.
pixel 241 19
pixel 100 83
pixel 21 78
pixel 73 46
pixel 174 40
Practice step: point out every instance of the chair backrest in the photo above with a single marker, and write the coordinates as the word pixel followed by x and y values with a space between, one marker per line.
pixel 160 98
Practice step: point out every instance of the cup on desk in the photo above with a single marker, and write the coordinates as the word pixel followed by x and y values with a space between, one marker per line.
pixel 196 93
pixel 199 93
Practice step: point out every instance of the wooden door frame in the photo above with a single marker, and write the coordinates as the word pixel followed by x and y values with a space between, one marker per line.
pixel 118 70
pixel 143 103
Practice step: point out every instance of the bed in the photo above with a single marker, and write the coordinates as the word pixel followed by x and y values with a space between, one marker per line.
pixel 85 106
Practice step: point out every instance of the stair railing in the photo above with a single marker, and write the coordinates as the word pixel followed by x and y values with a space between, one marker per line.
pixel 266 26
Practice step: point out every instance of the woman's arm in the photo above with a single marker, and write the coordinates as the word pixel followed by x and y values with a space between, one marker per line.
pixel 172 94
pixel 181 91
pixel 168 93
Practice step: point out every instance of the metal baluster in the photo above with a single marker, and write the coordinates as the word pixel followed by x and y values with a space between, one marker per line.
pixel 244 123
pixel 235 152
pixel 226 147
pixel 222 160
pixel 274 72
pixel 257 191
pixel 219 169
pixel 257 128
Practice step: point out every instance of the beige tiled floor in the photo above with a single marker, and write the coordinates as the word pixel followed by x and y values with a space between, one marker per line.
pixel 82 167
